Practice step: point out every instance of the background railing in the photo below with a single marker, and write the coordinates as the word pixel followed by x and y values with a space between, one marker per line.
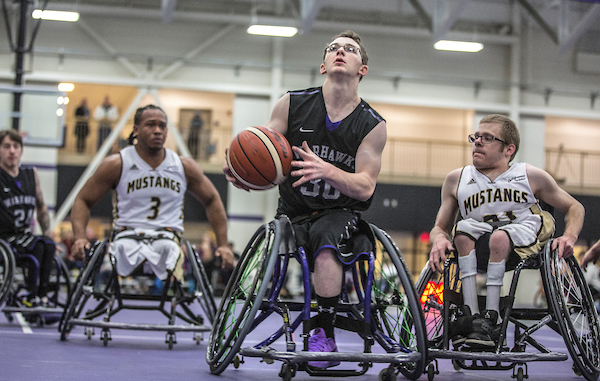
pixel 574 168
pixel 428 161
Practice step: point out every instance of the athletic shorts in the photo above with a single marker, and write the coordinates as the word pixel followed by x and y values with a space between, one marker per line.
pixel 525 239
pixel 158 250
pixel 337 229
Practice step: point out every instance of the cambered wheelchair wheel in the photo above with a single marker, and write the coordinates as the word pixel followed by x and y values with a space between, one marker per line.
pixel 397 319
pixel 83 288
pixel 575 312
pixel 430 290
pixel 60 286
pixel 7 270
pixel 243 297
pixel 203 289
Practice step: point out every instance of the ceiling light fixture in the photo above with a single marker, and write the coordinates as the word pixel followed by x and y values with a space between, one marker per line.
pixel 272 30
pixel 66 87
pixel 458 46
pixel 55 15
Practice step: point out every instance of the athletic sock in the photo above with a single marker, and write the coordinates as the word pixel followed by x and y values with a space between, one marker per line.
pixel 327 309
pixel 468 272
pixel 495 276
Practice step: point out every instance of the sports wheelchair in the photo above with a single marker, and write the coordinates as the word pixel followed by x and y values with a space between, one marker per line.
pixel 381 307
pixel 99 295
pixel 569 311
pixel 13 289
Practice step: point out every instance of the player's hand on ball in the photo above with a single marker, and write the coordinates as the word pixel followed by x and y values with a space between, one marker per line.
pixel 310 167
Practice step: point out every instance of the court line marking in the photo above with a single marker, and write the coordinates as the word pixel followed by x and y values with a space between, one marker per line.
pixel 23 323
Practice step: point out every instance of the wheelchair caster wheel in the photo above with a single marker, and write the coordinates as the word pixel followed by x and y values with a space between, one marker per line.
pixel 520 376
pixel 170 340
pixel 288 372
pixel 198 338
pixel 89 332
pixel 387 374
pixel 105 337
pixel 456 365
pixel 430 372
pixel 236 362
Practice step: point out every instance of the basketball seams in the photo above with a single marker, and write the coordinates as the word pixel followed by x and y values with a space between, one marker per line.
pixel 270 145
pixel 256 168
pixel 240 178
pixel 259 155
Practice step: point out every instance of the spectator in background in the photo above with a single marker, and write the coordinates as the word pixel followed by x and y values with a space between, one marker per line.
pixel 82 128
pixel 105 114
pixel 196 125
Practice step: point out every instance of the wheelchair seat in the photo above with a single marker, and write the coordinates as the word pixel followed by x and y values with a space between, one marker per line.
pixel 99 295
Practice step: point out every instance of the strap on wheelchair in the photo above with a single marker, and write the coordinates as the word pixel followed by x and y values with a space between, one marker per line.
pixel 144 237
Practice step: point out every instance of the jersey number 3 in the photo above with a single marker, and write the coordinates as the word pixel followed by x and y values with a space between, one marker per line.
pixel 154 208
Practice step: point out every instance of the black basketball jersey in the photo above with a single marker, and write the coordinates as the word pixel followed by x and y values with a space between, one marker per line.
pixel 335 143
pixel 18 202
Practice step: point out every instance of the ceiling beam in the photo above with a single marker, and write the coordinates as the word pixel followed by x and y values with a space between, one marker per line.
pixel 181 61
pixel 168 9
pixel 444 17
pixel 569 38
pixel 108 48
pixel 422 14
pixel 309 10
pixel 539 19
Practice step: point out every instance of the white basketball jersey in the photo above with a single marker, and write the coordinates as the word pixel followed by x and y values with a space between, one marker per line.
pixel 507 199
pixel 150 198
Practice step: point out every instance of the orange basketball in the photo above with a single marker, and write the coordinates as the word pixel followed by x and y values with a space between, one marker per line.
pixel 260 158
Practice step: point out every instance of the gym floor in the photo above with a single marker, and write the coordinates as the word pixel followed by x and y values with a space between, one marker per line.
pixel 29 352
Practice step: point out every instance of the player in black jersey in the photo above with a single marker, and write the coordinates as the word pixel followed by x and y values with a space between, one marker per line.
pixel 21 196
pixel 337 139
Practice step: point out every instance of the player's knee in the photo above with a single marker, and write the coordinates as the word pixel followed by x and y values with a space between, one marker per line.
pixel 463 243
pixel 499 240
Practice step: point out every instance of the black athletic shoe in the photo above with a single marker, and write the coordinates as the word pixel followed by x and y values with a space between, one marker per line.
pixel 486 331
pixel 461 324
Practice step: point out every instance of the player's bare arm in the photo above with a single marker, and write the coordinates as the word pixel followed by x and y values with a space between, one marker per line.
pixel 279 115
pixel 204 191
pixel 359 185
pixel 591 255
pixel 446 216
pixel 97 186
pixel 41 209
pixel 546 189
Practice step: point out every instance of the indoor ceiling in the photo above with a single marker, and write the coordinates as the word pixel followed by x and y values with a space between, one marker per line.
pixel 568 23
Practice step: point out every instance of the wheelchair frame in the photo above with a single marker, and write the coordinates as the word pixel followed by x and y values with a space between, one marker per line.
pixel 266 257
pixel 562 280
pixel 58 293
pixel 111 299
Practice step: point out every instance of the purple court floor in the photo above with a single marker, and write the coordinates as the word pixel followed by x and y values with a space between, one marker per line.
pixel 36 353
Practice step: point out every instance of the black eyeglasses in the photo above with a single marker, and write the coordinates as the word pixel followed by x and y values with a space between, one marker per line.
pixel 485 139
pixel 348 48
